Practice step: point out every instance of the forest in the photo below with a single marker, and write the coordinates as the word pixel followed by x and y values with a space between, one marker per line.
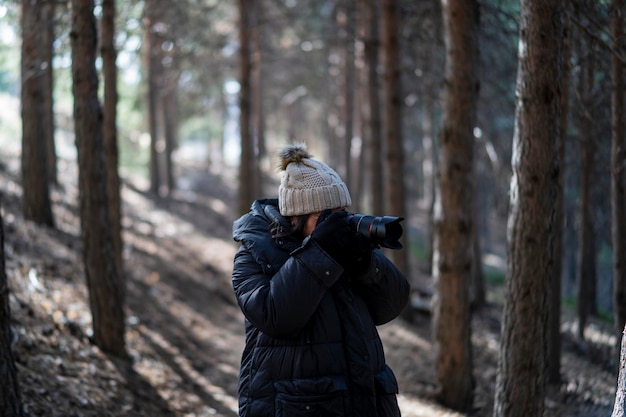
pixel 133 134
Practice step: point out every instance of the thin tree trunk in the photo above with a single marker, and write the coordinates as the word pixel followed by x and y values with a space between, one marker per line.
pixel 619 408
pixel 554 310
pixel 375 144
pixel 36 189
pixel 109 127
pixel 349 83
pixel 48 55
pixel 452 266
pixel 103 279
pixel 520 383
pixel 169 111
pixel 430 167
pixel 393 103
pixel 152 56
pixel 585 256
pixel 618 163
pixel 246 181
pixel 10 396
pixel 256 81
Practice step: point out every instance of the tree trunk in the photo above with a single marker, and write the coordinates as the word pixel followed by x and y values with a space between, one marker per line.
pixel 10 397
pixel 349 83
pixel 36 189
pixel 109 128
pixel 453 256
pixel 394 151
pixel 169 112
pixel 618 162
pixel 103 278
pixel 520 384
pixel 375 144
pixel 48 56
pixel 247 193
pixel 619 408
pixel 554 309
pixel 478 293
pixel 257 109
pixel 585 256
pixel 430 167
pixel 151 60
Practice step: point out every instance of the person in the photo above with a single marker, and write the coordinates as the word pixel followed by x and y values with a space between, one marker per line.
pixel 312 291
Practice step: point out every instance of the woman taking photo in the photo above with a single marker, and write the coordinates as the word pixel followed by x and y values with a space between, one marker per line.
pixel 312 291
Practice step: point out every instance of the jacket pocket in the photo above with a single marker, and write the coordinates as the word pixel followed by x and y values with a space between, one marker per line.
pixel 386 390
pixel 318 397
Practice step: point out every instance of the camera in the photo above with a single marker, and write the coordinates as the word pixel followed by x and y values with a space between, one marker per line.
pixel 384 231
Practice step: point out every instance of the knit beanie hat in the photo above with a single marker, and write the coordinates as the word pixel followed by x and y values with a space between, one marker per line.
pixel 308 186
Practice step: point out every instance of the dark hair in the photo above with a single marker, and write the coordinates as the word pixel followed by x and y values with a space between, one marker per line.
pixel 296 230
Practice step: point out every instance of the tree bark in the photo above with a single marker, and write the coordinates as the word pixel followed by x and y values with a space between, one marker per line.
pixel 247 193
pixel 520 384
pixel 10 396
pixel 375 143
pixel 169 112
pixel 554 309
pixel 257 108
pixel 618 162
pixel 585 257
pixel 151 50
pixel 393 103
pixel 619 408
pixel 109 128
pixel 453 220
pixel 47 45
pixel 36 189
pixel 349 82
pixel 103 278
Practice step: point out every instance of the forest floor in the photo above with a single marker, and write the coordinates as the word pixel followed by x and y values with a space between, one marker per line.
pixel 184 330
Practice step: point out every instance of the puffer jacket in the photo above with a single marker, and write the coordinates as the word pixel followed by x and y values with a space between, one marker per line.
pixel 312 348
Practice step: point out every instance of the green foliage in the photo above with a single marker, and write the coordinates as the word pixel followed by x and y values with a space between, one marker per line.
pixel 494 276
pixel 568 302
pixel 207 128
pixel 418 250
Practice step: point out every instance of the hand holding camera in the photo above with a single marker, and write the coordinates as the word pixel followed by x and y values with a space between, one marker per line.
pixel 337 237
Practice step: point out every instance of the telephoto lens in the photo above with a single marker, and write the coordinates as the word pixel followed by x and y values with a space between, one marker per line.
pixel 384 231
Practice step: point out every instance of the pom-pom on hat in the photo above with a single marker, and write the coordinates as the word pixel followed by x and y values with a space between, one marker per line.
pixel 307 185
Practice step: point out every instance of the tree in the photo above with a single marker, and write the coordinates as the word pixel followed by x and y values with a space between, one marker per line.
pixel 109 127
pixel 47 45
pixel 103 278
pixel 618 162
pixel 392 107
pixel 162 73
pixel 370 11
pixel 152 65
pixel 248 171
pixel 554 310
pixel 520 383
pixel 619 408
pixel 10 397
pixel 453 217
pixel 36 197
pixel 585 258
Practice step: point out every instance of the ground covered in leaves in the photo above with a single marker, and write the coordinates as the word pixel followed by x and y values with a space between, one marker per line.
pixel 184 330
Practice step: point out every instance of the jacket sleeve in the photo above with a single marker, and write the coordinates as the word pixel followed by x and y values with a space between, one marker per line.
pixel 384 289
pixel 282 304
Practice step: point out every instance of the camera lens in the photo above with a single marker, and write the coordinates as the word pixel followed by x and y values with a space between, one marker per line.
pixel 384 231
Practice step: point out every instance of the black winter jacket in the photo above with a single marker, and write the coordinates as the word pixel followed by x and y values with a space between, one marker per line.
pixel 312 348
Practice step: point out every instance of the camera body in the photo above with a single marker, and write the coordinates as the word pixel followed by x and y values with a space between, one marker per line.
pixel 381 230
